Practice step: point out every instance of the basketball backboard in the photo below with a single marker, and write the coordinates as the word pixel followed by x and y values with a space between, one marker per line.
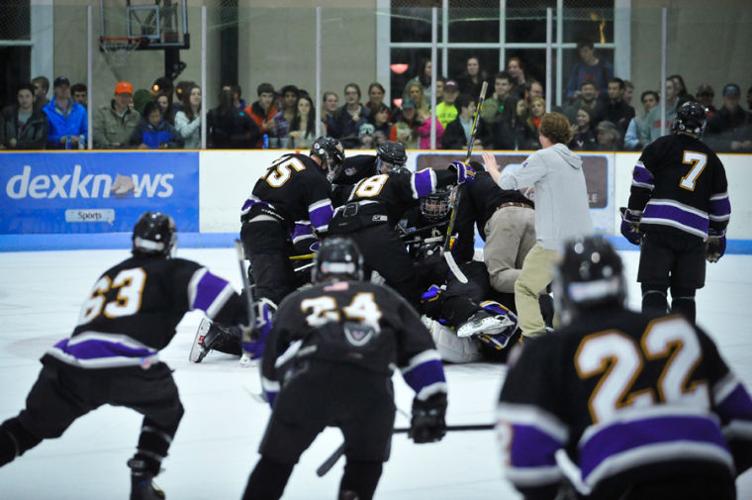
pixel 155 24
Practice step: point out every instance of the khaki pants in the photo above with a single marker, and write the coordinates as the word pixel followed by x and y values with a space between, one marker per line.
pixel 537 273
pixel 510 234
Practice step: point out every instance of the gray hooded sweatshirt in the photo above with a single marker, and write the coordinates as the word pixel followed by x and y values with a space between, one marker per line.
pixel 561 200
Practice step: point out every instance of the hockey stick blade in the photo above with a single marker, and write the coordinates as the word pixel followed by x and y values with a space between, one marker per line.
pixel 327 465
pixel 455 268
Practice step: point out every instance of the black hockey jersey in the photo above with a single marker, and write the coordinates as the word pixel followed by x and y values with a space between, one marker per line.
pixel 293 188
pixel 356 168
pixel 135 306
pixel 629 398
pixel 386 197
pixel 355 323
pixel 679 184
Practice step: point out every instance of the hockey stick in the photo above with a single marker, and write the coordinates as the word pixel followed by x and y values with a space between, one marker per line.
pixel 327 465
pixel 453 216
pixel 246 338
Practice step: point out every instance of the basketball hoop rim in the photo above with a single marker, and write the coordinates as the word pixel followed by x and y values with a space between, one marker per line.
pixel 109 43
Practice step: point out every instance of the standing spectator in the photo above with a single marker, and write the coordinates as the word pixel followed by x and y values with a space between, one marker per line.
pixel 537 110
pixel 501 103
pixel 237 97
pixel 229 128
pixel 472 79
pixel 365 136
pixel 652 128
pixel 628 92
pixel 188 120
pixel 561 212
pixel 636 125
pixel 380 119
pixel 731 127
pixel 681 88
pixel 615 109
pixel 705 95
pixel 41 88
pixel 415 92
pixel 446 111
pixel 515 132
pixel 376 94
pixel 262 111
pixel 67 119
pixel 154 132
pixel 403 131
pixel 583 134
pixel 457 133
pixel 590 68
pixel 350 117
pixel 23 126
pixel 516 70
pixel 164 100
pixel 80 94
pixel 114 124
pixel 303 126
pixel 329 102
pixel 283 118
pixel 608 136
pixel 587 98
pixel 533 89
pixel 423 78
pixel 423 130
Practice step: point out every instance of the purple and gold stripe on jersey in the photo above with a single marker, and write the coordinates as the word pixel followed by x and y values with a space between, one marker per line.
pixel 208 292
pixel 664 212
pixel 423 183
pixel 424 373
pixel 642 436
pixel 720 207
pixel 734 405
pixel 320 213
pixel 532 437
pixel 103 350
pixel 642 177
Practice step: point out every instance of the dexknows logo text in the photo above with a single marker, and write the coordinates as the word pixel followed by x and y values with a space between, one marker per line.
pixel 87 186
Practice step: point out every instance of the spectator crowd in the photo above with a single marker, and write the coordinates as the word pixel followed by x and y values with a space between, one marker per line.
pixel 599 106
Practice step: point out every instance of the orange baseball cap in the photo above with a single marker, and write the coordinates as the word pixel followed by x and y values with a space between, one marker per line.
pixel 123 88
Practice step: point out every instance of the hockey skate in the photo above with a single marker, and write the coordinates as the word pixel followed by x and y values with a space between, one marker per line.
pixel 199 349
pixel 481 322
pixel 142 486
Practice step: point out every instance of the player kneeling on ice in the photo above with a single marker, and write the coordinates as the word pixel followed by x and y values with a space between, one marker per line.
pixel 623 405
pixel 112 357
pixel 328 362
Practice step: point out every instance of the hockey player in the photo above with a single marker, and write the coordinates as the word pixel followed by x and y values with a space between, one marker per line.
pixel 630 406
pixel 678 210
pixel 329 362
pixel 295 187
pixel 112 357
pixel 389 155
pixel 375 206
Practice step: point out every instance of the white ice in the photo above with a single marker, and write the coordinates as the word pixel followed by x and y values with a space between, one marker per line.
pixel 215 447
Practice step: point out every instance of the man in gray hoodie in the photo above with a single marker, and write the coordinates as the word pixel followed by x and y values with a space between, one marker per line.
pixel 561 212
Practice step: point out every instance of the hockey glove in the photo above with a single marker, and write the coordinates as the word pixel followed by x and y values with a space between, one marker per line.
pixel 265 312
pixel 427 424
pixel 630 224
pixel 716 246
pixel 465 173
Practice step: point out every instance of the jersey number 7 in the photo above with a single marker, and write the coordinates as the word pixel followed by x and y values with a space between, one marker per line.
pixel 697 162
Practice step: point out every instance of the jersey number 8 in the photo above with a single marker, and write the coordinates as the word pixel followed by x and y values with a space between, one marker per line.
pixel 619 361
pixel 130 284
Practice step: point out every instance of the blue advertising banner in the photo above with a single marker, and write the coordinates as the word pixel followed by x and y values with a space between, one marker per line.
pixel 92 192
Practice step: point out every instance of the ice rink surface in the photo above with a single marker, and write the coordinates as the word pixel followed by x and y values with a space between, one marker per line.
pixel 215 448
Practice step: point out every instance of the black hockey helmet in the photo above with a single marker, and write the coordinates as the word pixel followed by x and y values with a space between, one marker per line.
pixel 435 206
pixel 390 155
pixel 691 118
pixel 332 154
pixel 154 234
pixel 337 258
pixel 589 275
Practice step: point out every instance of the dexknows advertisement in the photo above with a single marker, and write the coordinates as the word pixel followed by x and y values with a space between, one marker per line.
pixel 95 192
pixel 598 169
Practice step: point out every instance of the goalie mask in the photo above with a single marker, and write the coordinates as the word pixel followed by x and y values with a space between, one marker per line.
pixel 332 155
pixel 337 259
pixel 435 206
pixel 589 276
pixel 154 234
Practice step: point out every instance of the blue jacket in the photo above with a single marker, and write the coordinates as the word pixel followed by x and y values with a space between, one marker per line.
pixel 161 136
pixel 72 124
